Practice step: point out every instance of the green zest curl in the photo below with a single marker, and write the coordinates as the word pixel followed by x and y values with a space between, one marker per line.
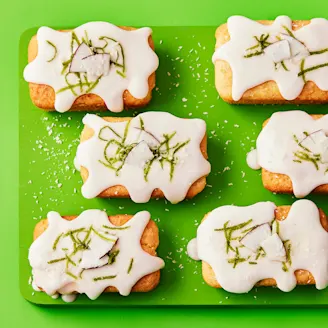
pixel 288 248
pixel 310 69
pixel 112 256
pixel 260 253
pixel 57 260
pixel 56 242
pixel 164 152
pixel 319 52
pixel 228 234
pixel 258 48
pixel 130 266
pixel 262 43
pixel 84 85
pixel 290 33
pixel 116 228
pixel 80 239
pixel 71 275
pixel 306 155
pixel 102 236
pixel 55 51
pixel 284 66
pixel 103 278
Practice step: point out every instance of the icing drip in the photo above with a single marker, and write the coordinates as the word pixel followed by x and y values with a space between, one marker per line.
pixel 252 160
pixel 132 61
pixel 69 298
pixel 35 287
pixel 294 144
pixel 259 53
pixel 238 269
pixel 57 255
pixel 153 150
pixel 77 165
pixel 192 249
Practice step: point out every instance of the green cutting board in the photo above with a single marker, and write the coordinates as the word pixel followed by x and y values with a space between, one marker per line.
pixel 185 87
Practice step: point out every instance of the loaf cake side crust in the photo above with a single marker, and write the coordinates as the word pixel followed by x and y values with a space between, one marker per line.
pixel 149 243
pixel 268 92
pixel 120 191
pixel 43 96
pixel 281 183
pixel 303 277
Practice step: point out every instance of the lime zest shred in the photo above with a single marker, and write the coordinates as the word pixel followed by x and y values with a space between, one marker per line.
pixel 104 278
pixel 55 51
pixel 131 265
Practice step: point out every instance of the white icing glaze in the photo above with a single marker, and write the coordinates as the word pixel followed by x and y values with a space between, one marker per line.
pixel 139 59
pixel 52 277
pixel 76 164
pixel 251 160
pixel 278 151
pixel 253 71
pixel 190 164
pixel 192 249
pixel 302 227
pixel 307 238
pixel 35 287
pixel 68 298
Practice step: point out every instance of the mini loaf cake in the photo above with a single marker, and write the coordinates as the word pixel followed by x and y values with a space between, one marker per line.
pixel 154 154
pixel 272 62
pixel 93 253
pixel 292 150
pixel 263 245
pixel 95 66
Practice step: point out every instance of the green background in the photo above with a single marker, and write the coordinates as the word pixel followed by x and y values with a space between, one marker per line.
pixel 49 181
pixel 18 17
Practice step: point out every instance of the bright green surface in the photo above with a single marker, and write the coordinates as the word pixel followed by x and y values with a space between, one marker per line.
pixel 48 143
pixel 18 16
